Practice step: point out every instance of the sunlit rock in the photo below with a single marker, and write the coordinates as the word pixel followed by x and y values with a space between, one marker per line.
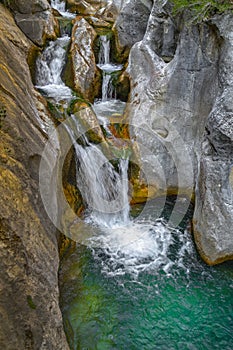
pixel 30 312
pixel 83 59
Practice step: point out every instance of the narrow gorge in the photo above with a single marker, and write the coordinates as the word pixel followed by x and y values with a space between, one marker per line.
pixel 116 173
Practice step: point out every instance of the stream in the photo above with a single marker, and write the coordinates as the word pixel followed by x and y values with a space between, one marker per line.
pixel 137 283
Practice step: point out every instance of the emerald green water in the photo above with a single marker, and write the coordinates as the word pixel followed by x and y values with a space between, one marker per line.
pixel 119 297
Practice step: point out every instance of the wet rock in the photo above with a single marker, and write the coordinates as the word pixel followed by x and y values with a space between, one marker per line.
pixel 83 7
pixel 83 60
pixel 90 125
pixel 213 216
pixel 29 304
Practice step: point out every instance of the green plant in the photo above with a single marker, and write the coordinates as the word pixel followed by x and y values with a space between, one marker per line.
pixel 203 9
pixel 30 302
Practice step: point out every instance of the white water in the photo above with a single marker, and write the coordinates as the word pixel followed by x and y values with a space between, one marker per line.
pixel 104 51
pixel 108 105
pixel 60 6
pixel 129 246
pixel 49 67
pixel 142 246
pixel 104 190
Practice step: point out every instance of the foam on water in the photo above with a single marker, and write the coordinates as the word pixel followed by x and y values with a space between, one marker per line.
pixel 141 246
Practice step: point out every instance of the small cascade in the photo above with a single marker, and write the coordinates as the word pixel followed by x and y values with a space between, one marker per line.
pixel 108 69
pixel 49 67
pixel 104 51
pixel 60 6
pixel 108 104
pixel 104 190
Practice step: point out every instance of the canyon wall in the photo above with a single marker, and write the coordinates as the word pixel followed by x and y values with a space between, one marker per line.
pixel 181 113
pixel 29 305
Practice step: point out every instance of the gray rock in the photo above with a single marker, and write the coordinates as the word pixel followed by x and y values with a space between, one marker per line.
pixel 37 27
pixel 26 7
pixel 131 23
pixel 213 217
pixel 170 102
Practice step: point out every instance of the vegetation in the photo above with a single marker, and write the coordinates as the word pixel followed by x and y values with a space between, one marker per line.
pixel 202 9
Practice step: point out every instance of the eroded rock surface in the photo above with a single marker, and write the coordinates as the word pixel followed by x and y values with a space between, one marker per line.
pixel 213 217
pixel 181 111
pixel 29 309
pixel 170 101
pixel 35 19
pixel 131 23
pixel 83 59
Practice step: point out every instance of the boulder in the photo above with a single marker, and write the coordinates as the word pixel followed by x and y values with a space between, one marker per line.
pixel 37 27
pixel 83 59
pixel 29 296
pixel 28 7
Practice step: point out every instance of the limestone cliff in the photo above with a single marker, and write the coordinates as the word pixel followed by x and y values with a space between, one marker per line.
pixel 30 314
pixel 181 113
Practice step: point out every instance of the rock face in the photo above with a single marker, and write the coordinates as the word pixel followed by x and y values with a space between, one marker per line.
pixel 83 59
pixel 35 19
pixel 213 217
pixel 181 116
pixel 37 27
pixel 170 101
pixel 131 23
pixel 29 308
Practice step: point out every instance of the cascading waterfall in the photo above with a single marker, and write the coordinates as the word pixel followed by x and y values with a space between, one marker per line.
pixel 135 283
pixel 60 6
pixel 104 190
pixel 108 105
pixel 104 50
pixel 108 69
pixel 49 67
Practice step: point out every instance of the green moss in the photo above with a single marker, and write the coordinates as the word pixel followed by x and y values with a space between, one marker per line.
pixel 203 9
pixel 30 302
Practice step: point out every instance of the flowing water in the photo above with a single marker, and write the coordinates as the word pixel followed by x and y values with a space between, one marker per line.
pixel 142 286
pixel 108 105
pixel 49 68
pixel 104 190
pixel 60 6
pixel 136 283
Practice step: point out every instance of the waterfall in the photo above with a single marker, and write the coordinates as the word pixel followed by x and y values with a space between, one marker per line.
pixel 104 190
pixel 59 5
pixel 49 67
pixel 104 50
pixel 108 90
pixel 108 69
